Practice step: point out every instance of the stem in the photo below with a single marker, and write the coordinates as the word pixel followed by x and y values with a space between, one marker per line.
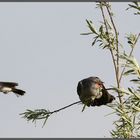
pixel 116 64
pixel 64 107
pixel 117 60
pixel 112 55
pixel 129 56
pixel 117 46
pixel 109 88
pixel 117 49
pixel 57 110
pixel 39 114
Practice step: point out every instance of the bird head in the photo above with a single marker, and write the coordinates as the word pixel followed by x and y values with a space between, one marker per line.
pixel 96 82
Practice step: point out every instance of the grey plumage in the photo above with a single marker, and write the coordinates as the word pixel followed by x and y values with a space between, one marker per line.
pixel 92 92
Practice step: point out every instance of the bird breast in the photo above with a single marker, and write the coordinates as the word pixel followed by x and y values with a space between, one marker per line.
pixel 6 89
pixel 91 92
pixel 96 90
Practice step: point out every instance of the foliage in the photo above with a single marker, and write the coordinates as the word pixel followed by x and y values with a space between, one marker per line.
pixel 42 114
pixel 136 6
pixel 36 115
pixel 128 107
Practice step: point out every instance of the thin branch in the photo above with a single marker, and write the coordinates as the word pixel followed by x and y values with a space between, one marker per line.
pixel 109 88
pixel 113 58
pixel 129 56
pixel 43 113
pixel 112 55
pixel 64 107
pixel 117 46
pixel 40 114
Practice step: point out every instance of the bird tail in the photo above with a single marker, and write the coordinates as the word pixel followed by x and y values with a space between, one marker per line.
pixel 19 91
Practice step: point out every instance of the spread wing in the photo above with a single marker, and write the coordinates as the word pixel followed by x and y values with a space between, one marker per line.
pixel 8 84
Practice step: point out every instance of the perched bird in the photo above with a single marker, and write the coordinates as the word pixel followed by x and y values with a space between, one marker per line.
pixel 7 87
pixel 92 92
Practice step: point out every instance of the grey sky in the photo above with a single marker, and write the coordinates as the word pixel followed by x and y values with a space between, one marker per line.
pixel 42 50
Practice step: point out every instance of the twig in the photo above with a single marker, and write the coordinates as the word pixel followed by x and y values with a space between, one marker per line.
pixel 43 113
pixel 117 46
pixel 64 107
pixel 108 36
pixel 129 56
pixel 109 88
pixel 116 66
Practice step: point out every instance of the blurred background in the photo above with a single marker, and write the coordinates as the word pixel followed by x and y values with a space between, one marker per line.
pixel 41 48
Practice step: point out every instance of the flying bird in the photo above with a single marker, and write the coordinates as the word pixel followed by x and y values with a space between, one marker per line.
pixel 92 92
pixel 7 87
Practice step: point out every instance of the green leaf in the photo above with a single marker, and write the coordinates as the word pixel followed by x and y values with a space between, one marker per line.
pixel 101 29
pixel 95 40
pixel 130 90
pixel 126 119
pixel 110 113
pixel 100 44
pixel 135 7
pixel 86 33
pixel 128 72
pixel 91 26
pixel 136 108
pixel 135 80
pixel 120 111
pixel 45 120
pixel 137 95
pixel 136 3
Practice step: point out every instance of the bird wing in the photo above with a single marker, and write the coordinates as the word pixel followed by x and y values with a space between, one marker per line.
pixel 79 87
pixel 8 84
pixel 83 85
